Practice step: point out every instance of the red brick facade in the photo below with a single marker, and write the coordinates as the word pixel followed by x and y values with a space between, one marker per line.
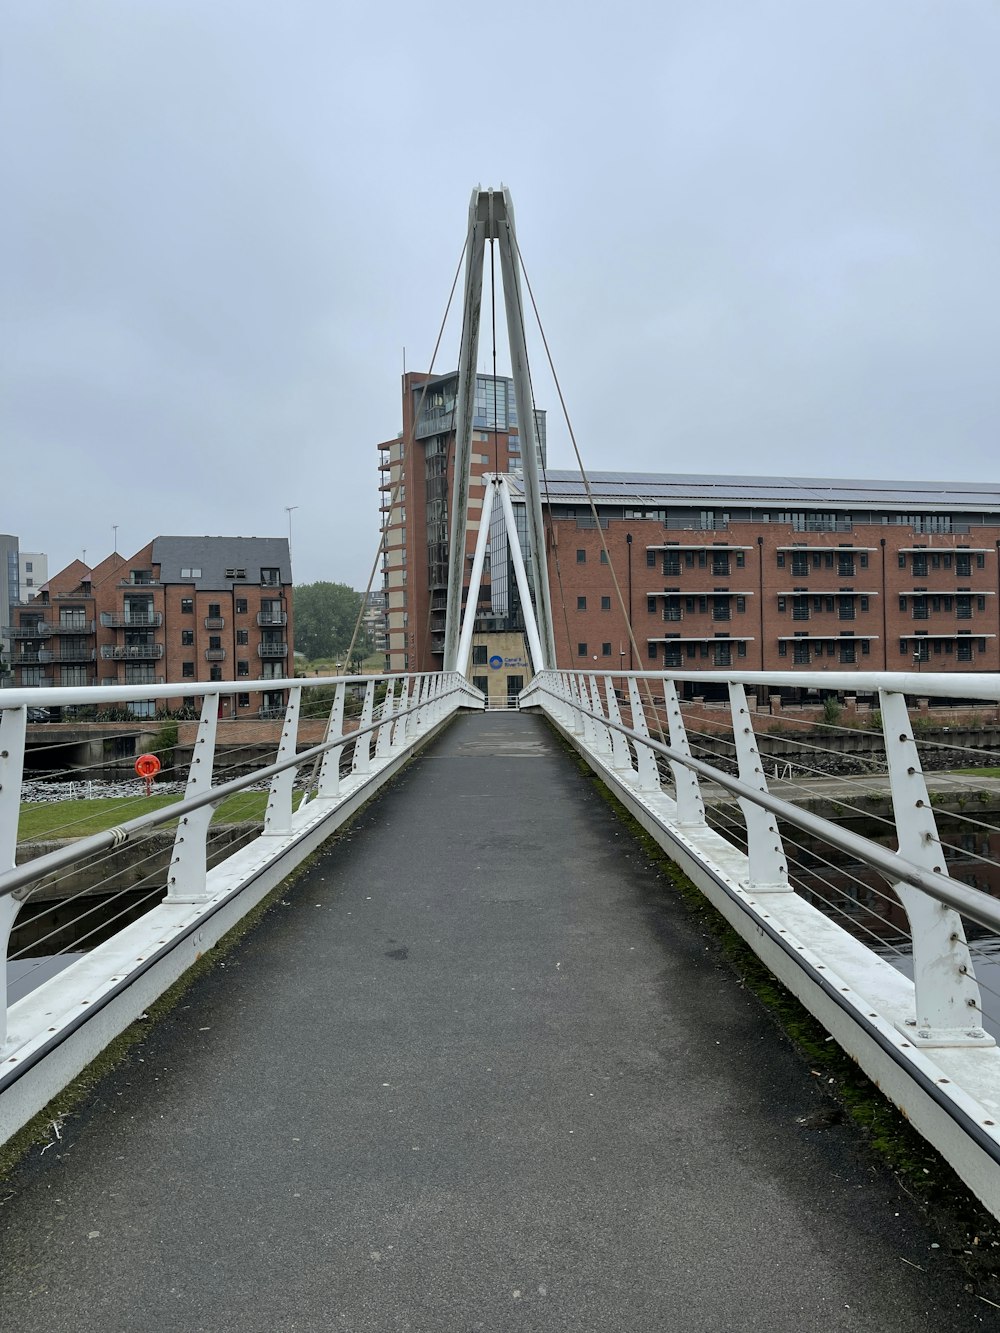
pixel 130 622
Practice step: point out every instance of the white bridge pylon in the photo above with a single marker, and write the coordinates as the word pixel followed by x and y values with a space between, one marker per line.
pixel 491 217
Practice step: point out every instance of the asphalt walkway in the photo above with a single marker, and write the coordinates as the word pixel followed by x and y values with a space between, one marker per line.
pixel 478 1070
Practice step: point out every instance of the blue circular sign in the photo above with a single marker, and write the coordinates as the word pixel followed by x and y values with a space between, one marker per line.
pixel 496 662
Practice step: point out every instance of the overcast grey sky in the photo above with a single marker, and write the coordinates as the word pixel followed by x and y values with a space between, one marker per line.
pixel 762 234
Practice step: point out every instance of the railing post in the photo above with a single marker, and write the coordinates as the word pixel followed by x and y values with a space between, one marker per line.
pixel 385 726
pixel 187 879
pixel 418 704
pixel 398 741
pixel 767 866
pixel 620 757
pixel 328 783
pixel 361 759
pixel 648 775
pixel 602 741
pixel 278 819
pixel 948 1004
pixel 690 806
pixel 13 730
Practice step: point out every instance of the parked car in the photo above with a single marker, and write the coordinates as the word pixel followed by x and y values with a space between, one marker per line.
pixel 38 715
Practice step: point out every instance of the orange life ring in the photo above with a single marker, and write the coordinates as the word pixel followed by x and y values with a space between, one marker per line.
pixel 147 765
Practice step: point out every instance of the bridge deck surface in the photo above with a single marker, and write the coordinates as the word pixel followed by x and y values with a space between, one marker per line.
pixel 479 1070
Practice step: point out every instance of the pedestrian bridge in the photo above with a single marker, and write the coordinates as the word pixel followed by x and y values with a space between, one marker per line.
pixel 478 1064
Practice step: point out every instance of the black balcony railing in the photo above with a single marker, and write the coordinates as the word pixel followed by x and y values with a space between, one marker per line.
pixel 74 627
pixel 132 619
pixel 39 629
pixel 132 652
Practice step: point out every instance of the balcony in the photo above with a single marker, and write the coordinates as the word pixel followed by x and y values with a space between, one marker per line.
pixel 272 650
pixel 39 630
pixel 40 683
pixel 74 627
pixel 215 622
pixel 66 654
pixel 139 583
pixel 33 656
pixel 215 654
pixel 272 617
pixel 271 711
pixel 132 652
pixel 131 619
pixel 145 679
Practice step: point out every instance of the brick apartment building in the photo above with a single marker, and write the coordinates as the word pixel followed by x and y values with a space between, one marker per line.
pixel 758 573
pixel 180 609
pixel 415 526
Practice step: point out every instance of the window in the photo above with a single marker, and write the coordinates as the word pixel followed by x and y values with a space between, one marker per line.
pixel 236 573
pixel 581 603
pixel 864 603
pixel 605 649
pixel 845 566
pixel 963 565
pixel 781 560
pixel 847 651
pixel 214 642
pixel 242 637
pixel 651 651
pixel 800 562
pixel 187 638
pixel 604 556
pixel 740 559
pixel 863 559
pixel 187 669
pixel 214 610
pixel 193 572
pixel 964 650
pixel 800 652
pixel 187 606
pixel 651 605
pixel 481 683
pixel 672 562
pixel 270 577
pixel 920 608
pixel 651 559
pixel 963 608
pixel 29 567
pixel 215 673
pixel 605 603
pixel 723 654
pixel 581 650
pixel 581 556
pixel 919 564
pixel 846 608
pixel 480 654
pixel 741 605
pixel 243 701
pixel 720 562
pixel 241 606
pixel 242 668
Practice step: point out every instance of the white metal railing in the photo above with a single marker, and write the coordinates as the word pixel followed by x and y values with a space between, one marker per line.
pixel 782 873
pixel 118 935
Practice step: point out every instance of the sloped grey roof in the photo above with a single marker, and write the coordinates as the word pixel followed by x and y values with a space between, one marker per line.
pixel 214 555
pixel 668 488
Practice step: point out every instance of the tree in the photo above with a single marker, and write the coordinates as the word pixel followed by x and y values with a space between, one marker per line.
pixel 325 616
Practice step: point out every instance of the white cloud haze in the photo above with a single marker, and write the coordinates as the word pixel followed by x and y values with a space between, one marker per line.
pixel 762 235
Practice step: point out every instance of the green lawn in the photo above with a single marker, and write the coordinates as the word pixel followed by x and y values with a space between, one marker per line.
pixel 77 819
pixel 980 772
